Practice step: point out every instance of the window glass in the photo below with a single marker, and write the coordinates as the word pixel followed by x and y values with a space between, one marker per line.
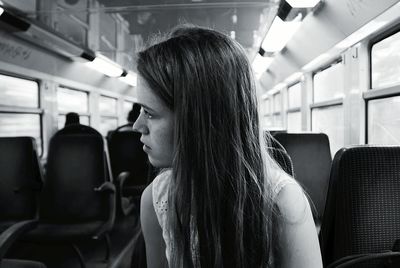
pixel 328 84
pixel 267 122
pixel 384 121
pixel 83 17
pixel 294 122
pixel 69 100
pixel 267 106
pixel 108 36
pixel 108 106
pixel 277 103
pixel 16 125
pixel 127 108
pixel 23 5
pixel 107 124
pixel 294 96
pixel 71 29
pixel 385 58
pixel 18 92
pixel 330 120
pixel 83 119
pixel 278 121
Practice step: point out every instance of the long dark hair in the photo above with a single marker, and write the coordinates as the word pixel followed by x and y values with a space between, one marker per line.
pixel 221 208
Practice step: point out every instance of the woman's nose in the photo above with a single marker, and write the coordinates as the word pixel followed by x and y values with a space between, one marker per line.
pixel 140 126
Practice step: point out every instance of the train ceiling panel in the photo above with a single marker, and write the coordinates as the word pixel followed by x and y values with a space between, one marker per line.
pixel 118 28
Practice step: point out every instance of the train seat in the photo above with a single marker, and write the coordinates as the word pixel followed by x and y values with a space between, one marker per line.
pixel 311 157
pixel 362 215
pixel 78 197
pixel 279 154
pixel 130 166
pixel 20 180
pixel 9 237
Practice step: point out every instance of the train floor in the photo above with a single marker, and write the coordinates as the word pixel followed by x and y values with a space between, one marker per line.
pixel 57 255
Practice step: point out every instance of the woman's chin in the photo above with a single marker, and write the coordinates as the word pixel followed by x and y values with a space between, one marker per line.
pixel 159 164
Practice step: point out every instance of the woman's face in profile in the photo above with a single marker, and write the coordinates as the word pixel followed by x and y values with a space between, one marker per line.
pixel 156 124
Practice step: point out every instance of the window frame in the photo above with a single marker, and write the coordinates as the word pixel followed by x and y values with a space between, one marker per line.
pixel 64 113
pixel 12 109
pixel 380 37
pixel 291 110
pixel 379 92
pixel 325 103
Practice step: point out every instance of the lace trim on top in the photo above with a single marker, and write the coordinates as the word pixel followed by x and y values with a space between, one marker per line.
pixel 160 203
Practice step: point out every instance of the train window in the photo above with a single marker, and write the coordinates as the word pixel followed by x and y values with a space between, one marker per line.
pixel 267 106
pixel 108 114
pixel 277 109
pixel 294 104
pixel 385 58
pixel 26 6
pixel 72 28
pixel 328 84
pixel 108 106
pixel 277 98
pixel 19 92
pixel 108 42
pixel 20 113
pixel 20 124
pixel 266 113
pixel 383 121
pixel 294 96
pixel 327 110
pixel 267 122
pixel 294 121
pixel 107 124
pixel 127 106
pixel 81 17
pixel 69 100
pixel 329 120
pixel 83 119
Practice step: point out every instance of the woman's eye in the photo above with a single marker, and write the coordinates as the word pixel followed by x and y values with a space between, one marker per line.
pixel 147 114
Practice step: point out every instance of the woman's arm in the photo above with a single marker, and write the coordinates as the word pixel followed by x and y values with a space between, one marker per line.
pixel 152 232
pixel 297 235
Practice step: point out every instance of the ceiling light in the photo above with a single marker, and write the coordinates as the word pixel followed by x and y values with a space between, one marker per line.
pixel 303 3
pixel 106 66
pixel 261 64
pixel 130 78
pixel 279 34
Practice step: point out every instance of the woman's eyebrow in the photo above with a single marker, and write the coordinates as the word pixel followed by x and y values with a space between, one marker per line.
pixel 146 107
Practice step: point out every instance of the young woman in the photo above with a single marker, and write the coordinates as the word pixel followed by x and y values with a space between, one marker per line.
pixel 221 200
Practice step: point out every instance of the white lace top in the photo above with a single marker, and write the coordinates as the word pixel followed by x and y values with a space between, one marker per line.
pixel 160 200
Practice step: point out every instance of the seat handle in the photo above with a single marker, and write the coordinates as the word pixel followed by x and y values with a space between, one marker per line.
pixel 105 187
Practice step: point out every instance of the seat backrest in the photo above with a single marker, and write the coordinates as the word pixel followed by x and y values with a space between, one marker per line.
pixel 77 164
pixel 126 154
pixel 362 212
pixel 279 154
pixel 20 178
pixel 311 158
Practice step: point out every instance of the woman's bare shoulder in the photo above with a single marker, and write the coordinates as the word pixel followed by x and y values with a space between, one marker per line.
pixel 292 203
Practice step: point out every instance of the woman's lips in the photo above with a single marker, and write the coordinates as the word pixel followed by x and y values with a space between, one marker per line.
pixel 146 148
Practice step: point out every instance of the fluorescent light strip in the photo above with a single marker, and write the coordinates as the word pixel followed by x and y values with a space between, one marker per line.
pixel 279 34
pixel 130 78
pixel 1 11
pixel 261 64
pixel 303 3
pixel 105 66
